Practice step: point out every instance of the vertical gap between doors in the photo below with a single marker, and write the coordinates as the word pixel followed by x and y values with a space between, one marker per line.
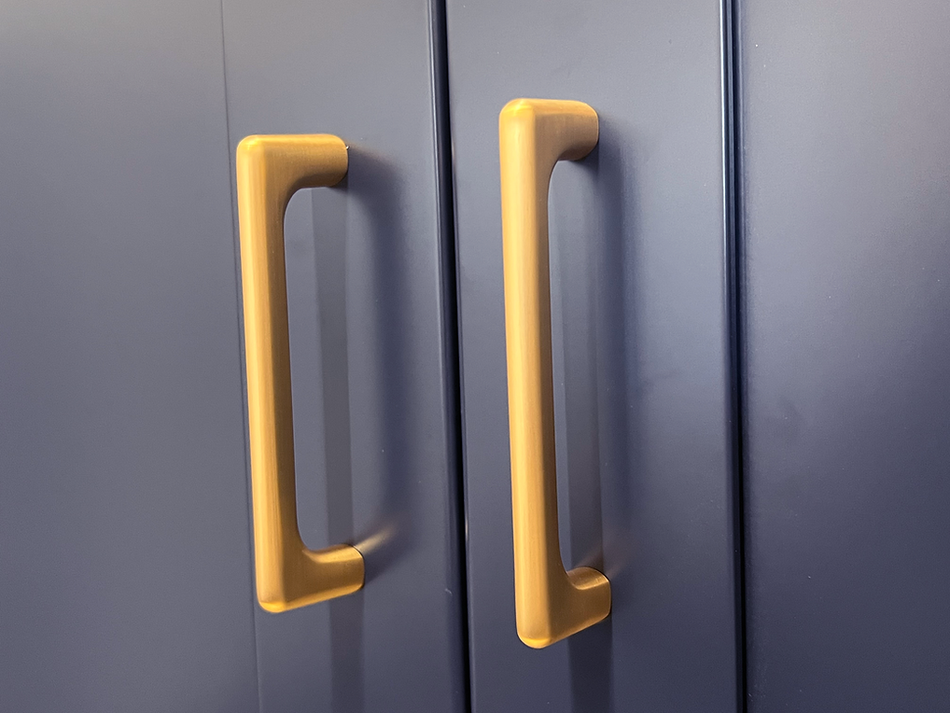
pixel 450 324
pixel 732 214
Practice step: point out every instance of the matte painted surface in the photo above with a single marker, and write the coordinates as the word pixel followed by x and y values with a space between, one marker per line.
pixel 847 262
pixel 374 457
pixel 125 580
pixel 640 339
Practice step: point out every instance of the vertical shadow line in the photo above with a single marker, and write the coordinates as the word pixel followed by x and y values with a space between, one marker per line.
pixel 732 217
pixel 346 614
pixel 591 652
pixel 239 308
pixel 451 326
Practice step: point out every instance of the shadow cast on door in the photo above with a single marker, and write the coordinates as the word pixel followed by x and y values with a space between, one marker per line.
pixel 598 410
pixel 371 187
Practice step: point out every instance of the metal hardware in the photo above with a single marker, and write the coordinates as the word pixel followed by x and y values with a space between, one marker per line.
pixel 270 169
pixel 534 134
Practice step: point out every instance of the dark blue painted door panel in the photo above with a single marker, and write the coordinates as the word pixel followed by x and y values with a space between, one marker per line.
pixel 374 420
pixel 641 345
pixel 125 582
pixel 846 192
pixel 125 557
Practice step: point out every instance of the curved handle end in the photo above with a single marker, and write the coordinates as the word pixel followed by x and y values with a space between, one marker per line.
pixel 308 576
pixel 583 602
pixel 558 129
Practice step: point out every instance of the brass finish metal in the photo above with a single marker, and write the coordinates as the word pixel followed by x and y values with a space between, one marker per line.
pixel 270 169
pixel 534 134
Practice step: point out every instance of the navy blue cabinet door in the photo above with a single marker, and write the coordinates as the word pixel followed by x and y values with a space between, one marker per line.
pixel 126 565
pixel 125 580
pixel 375 421
pixel 641 351
pixel 846 239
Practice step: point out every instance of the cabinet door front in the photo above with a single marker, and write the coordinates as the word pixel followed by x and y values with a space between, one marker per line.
pixel 374 425
pixel 846 166
pixel 640 339
pixel 124 552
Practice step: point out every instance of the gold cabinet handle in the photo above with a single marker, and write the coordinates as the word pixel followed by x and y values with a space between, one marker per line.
pixel 270 169
pixel 534 134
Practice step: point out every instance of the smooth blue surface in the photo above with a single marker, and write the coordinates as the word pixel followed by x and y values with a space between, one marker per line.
pixel 126 571
pixel 125 578
pixel 846 238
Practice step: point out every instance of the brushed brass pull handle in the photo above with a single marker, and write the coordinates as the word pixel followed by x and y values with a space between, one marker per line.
pixel 534 134
pixel 270 169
